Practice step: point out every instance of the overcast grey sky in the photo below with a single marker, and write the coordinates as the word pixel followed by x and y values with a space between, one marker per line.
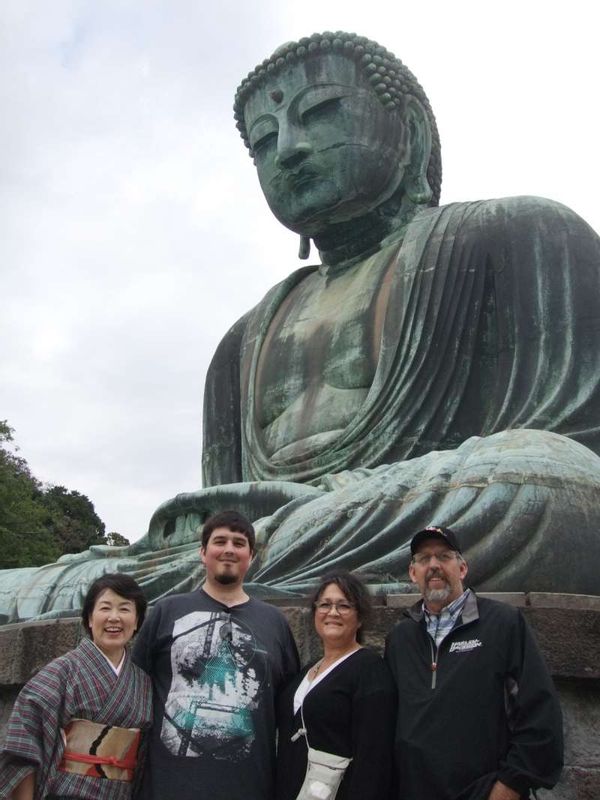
pixel 132 229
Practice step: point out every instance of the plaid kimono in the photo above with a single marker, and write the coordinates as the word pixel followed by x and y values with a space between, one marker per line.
pixel 80 684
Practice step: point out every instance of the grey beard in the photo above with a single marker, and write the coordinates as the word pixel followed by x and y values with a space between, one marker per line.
pixel 437 595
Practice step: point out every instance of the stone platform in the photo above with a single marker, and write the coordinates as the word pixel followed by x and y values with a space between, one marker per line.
pixel 567 628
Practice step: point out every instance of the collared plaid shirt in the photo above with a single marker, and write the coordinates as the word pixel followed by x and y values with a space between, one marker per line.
pixel 440 625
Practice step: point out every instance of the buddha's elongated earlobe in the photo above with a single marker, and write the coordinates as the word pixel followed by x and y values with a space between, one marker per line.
pixel 416 185
pixel 418 189
pixel 304 249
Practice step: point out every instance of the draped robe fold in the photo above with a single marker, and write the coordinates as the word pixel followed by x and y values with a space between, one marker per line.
pixel 492 323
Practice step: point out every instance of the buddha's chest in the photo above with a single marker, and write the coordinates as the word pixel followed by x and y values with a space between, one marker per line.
pixel 324 339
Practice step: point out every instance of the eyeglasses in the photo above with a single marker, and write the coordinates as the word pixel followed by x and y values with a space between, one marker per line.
pixel 445 557
pixel 342 607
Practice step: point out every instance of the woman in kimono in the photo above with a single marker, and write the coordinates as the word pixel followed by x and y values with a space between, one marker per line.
pixel 343 705
pixel 76 726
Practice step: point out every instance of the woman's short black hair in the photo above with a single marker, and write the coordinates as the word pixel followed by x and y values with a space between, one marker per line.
pixel 355 592
pixel 121 584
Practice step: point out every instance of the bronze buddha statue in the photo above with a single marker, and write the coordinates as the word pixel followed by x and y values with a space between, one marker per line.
pixel 438 365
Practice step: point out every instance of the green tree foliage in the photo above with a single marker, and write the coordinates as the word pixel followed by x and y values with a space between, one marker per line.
pixel 115 539
pixel 72 519
pixel 38 524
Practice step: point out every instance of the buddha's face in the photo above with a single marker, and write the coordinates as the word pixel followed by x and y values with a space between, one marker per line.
pixel 325 148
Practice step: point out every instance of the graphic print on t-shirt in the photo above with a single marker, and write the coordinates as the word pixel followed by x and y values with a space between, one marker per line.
pixel 214 688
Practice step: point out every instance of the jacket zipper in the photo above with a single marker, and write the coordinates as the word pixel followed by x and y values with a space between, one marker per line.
pixel 434 662
pixel 435 653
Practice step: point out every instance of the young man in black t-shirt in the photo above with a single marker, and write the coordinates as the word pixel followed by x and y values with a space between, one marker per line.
pixel 217 659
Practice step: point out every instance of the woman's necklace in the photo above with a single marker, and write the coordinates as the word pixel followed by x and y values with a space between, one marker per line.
pixel 331 661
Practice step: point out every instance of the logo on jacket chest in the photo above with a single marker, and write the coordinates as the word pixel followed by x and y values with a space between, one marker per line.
pixel 465 646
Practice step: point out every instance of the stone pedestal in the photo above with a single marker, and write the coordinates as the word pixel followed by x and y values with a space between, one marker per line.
pixel 567 628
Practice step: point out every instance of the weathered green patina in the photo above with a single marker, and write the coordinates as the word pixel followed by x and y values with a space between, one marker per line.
pixel 438 366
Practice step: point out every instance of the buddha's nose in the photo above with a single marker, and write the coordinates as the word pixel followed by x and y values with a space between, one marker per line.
pixel 292 148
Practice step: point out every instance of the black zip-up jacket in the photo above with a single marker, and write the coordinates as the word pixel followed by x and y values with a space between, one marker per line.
pixel 482 707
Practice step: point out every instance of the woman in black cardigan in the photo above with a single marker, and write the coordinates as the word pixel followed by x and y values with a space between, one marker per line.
pixel 346 700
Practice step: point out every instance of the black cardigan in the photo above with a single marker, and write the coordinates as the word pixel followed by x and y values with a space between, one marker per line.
pixel 351 712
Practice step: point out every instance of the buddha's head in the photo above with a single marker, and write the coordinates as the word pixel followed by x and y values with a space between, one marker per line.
pixel 339 130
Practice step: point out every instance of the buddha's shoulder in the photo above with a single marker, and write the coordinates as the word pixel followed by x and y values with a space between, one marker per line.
pixel 521 211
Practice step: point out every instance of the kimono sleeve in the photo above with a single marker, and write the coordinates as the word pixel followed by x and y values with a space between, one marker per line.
pixel 32 730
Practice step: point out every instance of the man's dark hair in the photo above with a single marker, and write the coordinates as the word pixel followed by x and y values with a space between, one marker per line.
pixel 121 584
pixel 355 592
pixel 233 521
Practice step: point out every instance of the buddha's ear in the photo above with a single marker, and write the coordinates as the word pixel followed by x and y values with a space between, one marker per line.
pixel 416 184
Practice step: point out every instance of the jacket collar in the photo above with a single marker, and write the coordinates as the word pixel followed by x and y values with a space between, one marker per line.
pixel 470 610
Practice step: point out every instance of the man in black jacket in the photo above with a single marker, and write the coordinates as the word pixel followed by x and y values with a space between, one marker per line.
pixel 478 715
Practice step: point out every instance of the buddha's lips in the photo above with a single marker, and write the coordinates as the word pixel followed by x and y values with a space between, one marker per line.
pixel 294 179
pixel 300 182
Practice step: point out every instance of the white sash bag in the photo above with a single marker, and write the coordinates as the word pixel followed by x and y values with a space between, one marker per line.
pixel 324 771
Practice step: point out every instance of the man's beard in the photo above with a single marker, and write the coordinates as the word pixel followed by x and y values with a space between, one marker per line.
pixel 226 579
pixel 437 595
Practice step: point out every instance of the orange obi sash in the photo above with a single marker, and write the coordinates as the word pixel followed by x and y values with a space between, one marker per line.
pixel 100 751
